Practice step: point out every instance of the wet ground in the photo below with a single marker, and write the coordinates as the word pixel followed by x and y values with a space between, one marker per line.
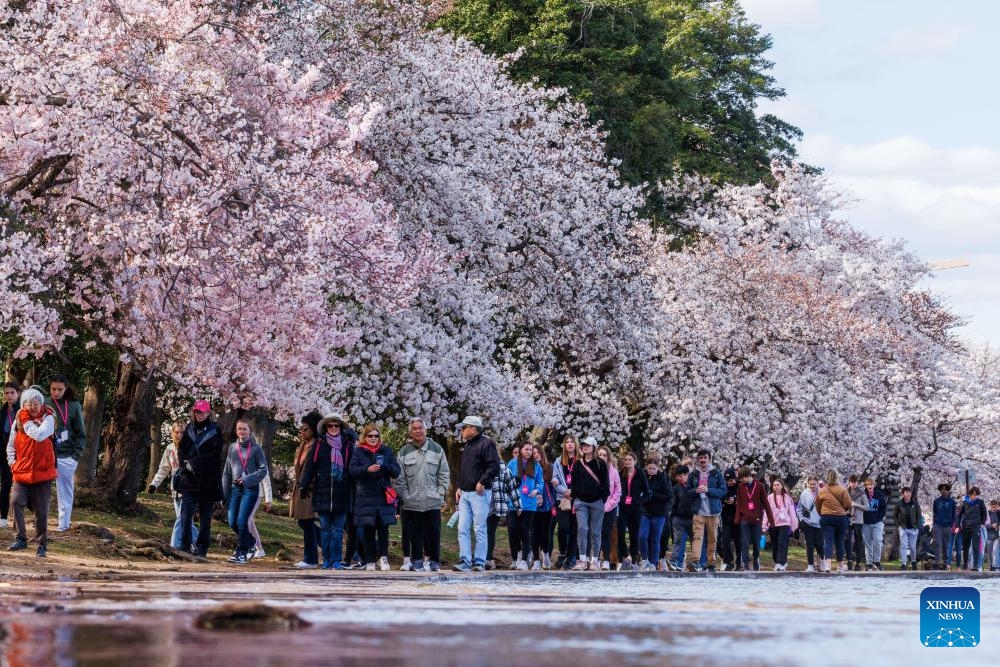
pixel 495 619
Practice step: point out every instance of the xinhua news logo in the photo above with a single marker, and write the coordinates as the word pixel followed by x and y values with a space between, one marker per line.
pixel 949 617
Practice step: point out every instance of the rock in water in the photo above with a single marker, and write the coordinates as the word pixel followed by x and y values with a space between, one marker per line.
pixel 249 616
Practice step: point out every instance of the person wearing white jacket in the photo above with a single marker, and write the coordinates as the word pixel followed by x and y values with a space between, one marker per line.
pixel 809 522
pixel 168 466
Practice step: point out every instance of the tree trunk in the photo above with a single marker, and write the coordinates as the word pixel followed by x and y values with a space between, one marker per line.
pixel 93 419
pixel 126 440
pixel 264 427
pixel 155 443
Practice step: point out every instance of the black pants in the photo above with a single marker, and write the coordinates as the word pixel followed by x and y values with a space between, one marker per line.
pixel 567 535
pixel 519 531
pixel 729 543
pixel 355 548
pixel 780 536
pixel 6 482
pixel 749 537
pixel 970 538
pixel 666 537
pixel 628 520
pixel 492 521
pixel 610 519
pixel 376 540
pixel 814 542
pixel 856 544
pixel 424 530
pixel 310 541
pixel 540 534
pixel 189 505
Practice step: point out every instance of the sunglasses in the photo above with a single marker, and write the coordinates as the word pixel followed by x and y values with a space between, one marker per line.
pixel 332 425
pixel 373 435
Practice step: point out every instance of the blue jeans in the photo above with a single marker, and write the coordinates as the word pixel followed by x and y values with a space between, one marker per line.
pixel 242 502
pixel 650 531
pixel 682 531
pixel 175 536
pixel 473 510
pixel 331 537
pixel 834 535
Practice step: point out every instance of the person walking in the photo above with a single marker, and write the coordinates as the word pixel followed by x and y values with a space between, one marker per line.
pixel 373 466
pixel 541 545
pixel 908 519
pixel 785 523
pixel 834 505
pixel 656 498
pixel 245 467
pixel 422 486
pixel 169 464
pixel 566 524
pixel 873 527
pixel 530 482
pixel 200 476
pixel 32 460
pixel 505 500
pixel 729 530
pixel 752 508
pixel 590 489
pixel 326 480
pixel 630 512
pixel 809 522
pixel 610 505
pixel 8 414
pixel 300 506
pixel 944 512
pixel 706 481
pixel 993 536
pixel 855 538
pixel 971 518
pixel 71 440
pixel 479 466
pixel 265 498
pixel 681 515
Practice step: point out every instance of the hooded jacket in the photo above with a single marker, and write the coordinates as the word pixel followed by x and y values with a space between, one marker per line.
pixel 709 503
pixel 329 488
pixel 877 505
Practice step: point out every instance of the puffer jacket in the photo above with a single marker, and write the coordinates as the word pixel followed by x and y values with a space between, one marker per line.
pixel 369 488
pixel 30 452
pixel 328 493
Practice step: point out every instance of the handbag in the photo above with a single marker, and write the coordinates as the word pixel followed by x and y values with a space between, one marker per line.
pixel 390 495
pixel 565 504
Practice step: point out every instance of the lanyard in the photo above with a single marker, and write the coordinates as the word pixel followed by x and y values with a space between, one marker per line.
pixel 63 416
pixel 239 453
pixel 628 484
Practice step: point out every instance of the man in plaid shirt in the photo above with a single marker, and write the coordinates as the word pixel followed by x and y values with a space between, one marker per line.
pixel 506 498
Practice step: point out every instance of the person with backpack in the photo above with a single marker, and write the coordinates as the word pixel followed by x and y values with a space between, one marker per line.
pixel 873 527
pixel 909 520
pixel 32 459
pixel 373 466
pixel 71 440
pixel 751 508
pixel 326 480
pixel 971 518
pixel 199 476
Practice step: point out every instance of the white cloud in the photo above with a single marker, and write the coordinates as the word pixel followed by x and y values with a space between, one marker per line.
pixel 929 41
pixel 945 202
pixel 772 14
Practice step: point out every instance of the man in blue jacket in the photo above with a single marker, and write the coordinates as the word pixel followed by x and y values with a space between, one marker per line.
pixel 706 488
pixel 944 525
pixel 873 529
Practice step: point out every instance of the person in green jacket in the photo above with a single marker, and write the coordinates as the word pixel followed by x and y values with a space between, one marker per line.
pixel 71 440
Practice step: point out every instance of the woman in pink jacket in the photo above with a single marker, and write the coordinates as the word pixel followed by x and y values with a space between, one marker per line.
pixel 610 505
pixel 785 523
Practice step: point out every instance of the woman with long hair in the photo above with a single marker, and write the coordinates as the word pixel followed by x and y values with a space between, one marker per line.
pixel 541 544
pixel 8 414
pixel 71 440
pixel 169 463
pixel 300 507
pixel 835 505
pixel 326 479
pixel 373 467
pixel 785 523
pixel 562 478
pixel 530 483
pixel 591 489
pixel 610 505
pixel 245 467
pixel 633 485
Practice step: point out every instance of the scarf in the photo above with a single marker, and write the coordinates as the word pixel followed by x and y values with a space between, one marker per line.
pixel 371 448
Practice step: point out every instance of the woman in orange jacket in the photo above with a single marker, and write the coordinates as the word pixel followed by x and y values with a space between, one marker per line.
pixel 32 460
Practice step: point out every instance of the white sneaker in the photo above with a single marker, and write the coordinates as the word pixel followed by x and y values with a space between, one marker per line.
pixel 809 568
pixel 644 565
pixel 537 565
pixel 661 565
pixel 370 567
pixel 407 565
pixel 427 566
pixel 581 565
pixel 302 565
pixel 605 565
pixel 383 564
pixel 546 562
pixel 842 568
pixel 259 553
pixel 4 523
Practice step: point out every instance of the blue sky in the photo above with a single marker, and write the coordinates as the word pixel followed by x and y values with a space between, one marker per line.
pixel 898 102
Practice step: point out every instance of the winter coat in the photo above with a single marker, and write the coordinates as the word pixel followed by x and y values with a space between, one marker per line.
pixel 806 510
pixel 589 487
pixel 300 508
pixel 944 511
pixel 711 504
pixel 658 498
pixel 75 442
pixel 480 463
pixel 425 477
pixel 859 503
pixel 972 514
pixel 877 505
pixel 634 493
pixel 330 490
pixel 529 483
pixel 783 511
pixel 201 449
pixel 168 466
pixel 753 494
pixel 833 501
pixel 369 487
pixel 616 490
pixel 908 514
pixel 252 472
pixel 30 452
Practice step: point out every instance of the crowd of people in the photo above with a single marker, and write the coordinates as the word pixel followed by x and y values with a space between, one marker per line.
pixel 582 498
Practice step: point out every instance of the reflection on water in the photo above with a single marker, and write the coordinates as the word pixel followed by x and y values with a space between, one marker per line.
pixel 448 621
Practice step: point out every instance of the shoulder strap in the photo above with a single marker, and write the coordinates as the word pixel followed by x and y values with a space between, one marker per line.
pixel 589 471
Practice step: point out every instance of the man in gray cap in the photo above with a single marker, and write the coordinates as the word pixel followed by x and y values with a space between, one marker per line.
pixel 422 488
pixel 479 467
